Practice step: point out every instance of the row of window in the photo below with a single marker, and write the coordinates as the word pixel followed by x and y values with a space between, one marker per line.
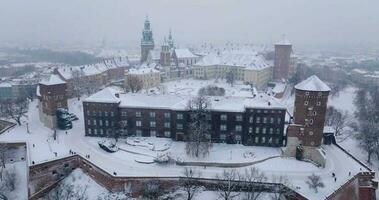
pixel 265 120
pixel 318 94
pixel 318 103
pixel 263 130
pixel 264 140
pixel 100 113
pixel 100 122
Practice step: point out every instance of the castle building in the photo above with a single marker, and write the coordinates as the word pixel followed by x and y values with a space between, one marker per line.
pixel 147 41
pixel 282 59
pixel 52 94
pixel 144 77
pixel 306 131
pixel 247 66
pixel 255 121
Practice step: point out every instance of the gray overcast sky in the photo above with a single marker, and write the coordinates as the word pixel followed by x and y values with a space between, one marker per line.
pixel 321 23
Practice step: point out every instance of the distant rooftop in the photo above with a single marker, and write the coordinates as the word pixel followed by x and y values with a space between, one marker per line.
pixel 312 83
pixel 53 79
pixel 246 59
pixel 144 68
pixel 184 53
pixel 93 69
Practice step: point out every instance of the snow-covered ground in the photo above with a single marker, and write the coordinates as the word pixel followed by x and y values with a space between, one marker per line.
pixel 124 162
pixel 85 184
pixel 21 191
pixel 344 100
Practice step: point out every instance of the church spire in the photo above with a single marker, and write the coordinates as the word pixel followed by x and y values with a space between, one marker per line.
pixel 170 40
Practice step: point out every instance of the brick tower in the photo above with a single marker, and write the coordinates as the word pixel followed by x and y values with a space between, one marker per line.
pixel 52 94
pixel 165 56
pixel 147 41
pixel 311 97
pixel 282 59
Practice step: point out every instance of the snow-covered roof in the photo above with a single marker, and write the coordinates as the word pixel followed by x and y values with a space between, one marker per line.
pixel 284 41
pixel 144 68
pixel 180 102
pixel 106 95
pixel 138 71
pixel 3 85
pixel 184 53
pixel 328 129
pixel 246 59
pixel 360 71
pixel 312 83
pixel 93 69
pixel 53 79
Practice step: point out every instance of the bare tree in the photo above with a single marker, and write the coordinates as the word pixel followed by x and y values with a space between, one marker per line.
pixel 133 84
pixel 153 190
pixel 231 76
pixel 283 189
pixel 190 184
pixel 14 109
pixel 336 119
pixel 66 191
pixel 3 149
pixel 250 181
pixel 8 183
pixel 314 182
pixel 368 137
pixel 368 120
pixel 227 184
pixel 198 141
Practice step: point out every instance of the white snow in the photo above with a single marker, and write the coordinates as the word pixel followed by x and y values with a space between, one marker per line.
pixel 53 79
pixel 82 181
pixel 124 162
pixel 93 69
pixel 184 53
pixel 180 102
pixel 312 83
pixel 344 100
pixel 246 59
pixel 106 95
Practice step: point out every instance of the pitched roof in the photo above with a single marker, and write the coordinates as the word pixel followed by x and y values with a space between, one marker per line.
pixel 184 53
pixel 313 83
pixel 93 69
pixel 53 79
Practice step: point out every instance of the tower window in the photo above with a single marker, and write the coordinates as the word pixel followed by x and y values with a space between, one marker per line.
pixel 307 93
pixel 305 103
pixel 310 132
pixel 319 103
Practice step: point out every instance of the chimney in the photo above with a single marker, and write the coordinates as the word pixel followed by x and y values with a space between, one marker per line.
pixel 117 95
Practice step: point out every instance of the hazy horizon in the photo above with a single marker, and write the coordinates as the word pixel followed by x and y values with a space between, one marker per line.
pixel 308 24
